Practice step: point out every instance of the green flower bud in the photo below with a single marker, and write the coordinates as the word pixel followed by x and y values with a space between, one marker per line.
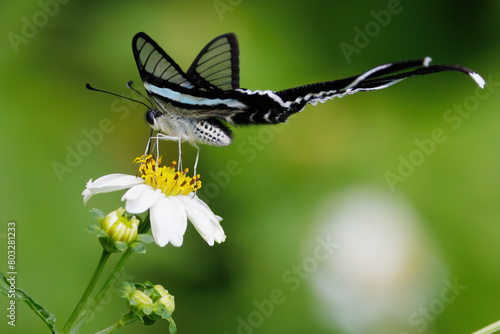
pixel 140 303
pixel 119 230
pixel 166 299
pixel 149 302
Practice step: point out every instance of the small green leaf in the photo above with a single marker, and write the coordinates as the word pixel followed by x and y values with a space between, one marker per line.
pixel 141 286
pixel 155 295
pixel 97 214
pixel 173 327
pixel 147 310
pixel 130 287
pixel 162 312
pixel 48 318
pixel 145 238
pixel 121 245
pixel 93 228
pixel 149 290
pixel 124 294
pixel 147 321
pixel 138 247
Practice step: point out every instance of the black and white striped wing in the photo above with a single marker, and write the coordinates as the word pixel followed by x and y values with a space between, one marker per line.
pixel 210 88
pixel 217 65
pixel 379 77
pixel 268 107
pixel 204 91
pixel 155 66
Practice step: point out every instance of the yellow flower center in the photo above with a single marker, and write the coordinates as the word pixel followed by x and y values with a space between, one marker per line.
pixel 169 181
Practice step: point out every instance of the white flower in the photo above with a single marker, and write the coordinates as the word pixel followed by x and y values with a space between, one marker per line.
pixel 168 195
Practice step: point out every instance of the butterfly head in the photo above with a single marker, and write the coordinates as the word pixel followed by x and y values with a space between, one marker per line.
pixel 151 118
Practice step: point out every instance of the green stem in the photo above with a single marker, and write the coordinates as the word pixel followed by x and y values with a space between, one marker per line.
pixel 124 321
pixel 90 307
pixel 489 329
pixel 102 292
pixel 84 299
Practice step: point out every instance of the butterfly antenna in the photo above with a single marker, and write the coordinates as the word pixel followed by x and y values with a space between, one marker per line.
pixel 129 85
pixel 89 87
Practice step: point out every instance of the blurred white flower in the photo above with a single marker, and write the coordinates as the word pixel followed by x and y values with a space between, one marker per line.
pixel 385 269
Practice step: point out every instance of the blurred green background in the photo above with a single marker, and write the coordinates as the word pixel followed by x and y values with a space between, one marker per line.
pixel 323 175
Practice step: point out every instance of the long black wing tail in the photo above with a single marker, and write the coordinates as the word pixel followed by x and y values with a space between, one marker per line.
pixel 379 77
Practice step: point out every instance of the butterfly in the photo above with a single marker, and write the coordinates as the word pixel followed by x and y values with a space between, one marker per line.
pixel 197 106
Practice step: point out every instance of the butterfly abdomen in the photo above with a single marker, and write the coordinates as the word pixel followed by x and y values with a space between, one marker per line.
pixel 212 132
pixel 172 121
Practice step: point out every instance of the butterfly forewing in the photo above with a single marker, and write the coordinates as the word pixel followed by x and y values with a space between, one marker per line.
pixel 217 65
pixel 155 66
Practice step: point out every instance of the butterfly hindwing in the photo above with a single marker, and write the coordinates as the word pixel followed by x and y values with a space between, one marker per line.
pixel 217 65
pixel 372 79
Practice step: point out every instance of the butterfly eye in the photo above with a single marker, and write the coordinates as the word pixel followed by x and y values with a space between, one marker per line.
pixel 151 116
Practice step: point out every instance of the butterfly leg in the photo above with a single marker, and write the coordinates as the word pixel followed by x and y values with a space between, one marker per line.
pixel 146 151
pixel 157 144
pixel 172 138
pixel 196 164
pixel 180 154
pixel 197 157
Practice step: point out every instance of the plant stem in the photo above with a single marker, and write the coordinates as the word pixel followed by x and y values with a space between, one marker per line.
pixel 489 329
pixel 83 316
pixel 84 299
pixel 124 321
pixel 90 306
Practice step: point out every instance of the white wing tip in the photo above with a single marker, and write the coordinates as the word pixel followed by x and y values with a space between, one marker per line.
pixel 478 79
pixel 427 61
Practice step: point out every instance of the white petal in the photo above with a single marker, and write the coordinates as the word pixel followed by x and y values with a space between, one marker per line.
pixel 109 183
pixel 219 234
pixel 140 198
pixel 168 222
pixel 199 201
pixel 178 213
pixel 113 182
pixel 203 219
pixel 86 195
pixel 215 220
